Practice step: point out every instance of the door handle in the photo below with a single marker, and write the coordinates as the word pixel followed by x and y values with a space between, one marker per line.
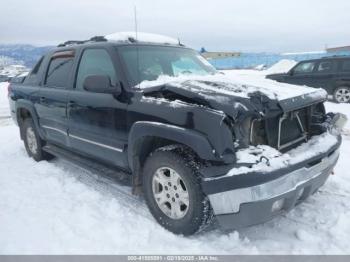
pixel 42 99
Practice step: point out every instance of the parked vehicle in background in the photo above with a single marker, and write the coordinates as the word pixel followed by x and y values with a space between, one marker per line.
pixel 4 78
pixel 330 73
pixel 196 143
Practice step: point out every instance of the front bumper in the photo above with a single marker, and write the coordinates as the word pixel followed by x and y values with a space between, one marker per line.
pixel 256 198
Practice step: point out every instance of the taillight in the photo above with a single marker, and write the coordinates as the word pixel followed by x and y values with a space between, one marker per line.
pixel 8 89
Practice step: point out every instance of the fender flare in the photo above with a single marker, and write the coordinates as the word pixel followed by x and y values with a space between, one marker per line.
pixel 193 139
pixel 29 106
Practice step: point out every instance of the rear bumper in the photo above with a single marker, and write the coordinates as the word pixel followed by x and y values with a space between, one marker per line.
pixel 244 204
pixel 13 111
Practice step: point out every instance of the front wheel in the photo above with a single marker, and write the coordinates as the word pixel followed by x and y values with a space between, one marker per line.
pixel 172 190
pixel 342 94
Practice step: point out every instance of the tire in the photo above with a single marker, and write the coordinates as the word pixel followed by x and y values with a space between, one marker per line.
pixel 189 218
pixel 32 141
pixel 342 94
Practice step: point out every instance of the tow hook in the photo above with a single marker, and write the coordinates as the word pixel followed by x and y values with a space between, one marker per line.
pixel 267 161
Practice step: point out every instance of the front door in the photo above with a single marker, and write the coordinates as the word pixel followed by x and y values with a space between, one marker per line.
pixel 97 121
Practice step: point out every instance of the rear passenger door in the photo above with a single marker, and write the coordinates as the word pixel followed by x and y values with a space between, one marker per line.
pixel 97 121
pixel 53 97
pixel 342 78
pixel 324 74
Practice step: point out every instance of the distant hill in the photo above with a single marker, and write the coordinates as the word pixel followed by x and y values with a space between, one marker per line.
pixel 23 53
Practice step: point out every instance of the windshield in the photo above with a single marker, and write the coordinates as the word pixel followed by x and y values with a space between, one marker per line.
pixel 149 62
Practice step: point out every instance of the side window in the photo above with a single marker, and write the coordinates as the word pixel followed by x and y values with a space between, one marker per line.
pixel 304 68
pixel 33 75
pixel 36 68
pixel 59 69
pixel 345 66
pixel 95 62
pixel 325 67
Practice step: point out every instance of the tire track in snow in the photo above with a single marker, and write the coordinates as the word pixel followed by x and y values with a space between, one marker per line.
pixel 105 186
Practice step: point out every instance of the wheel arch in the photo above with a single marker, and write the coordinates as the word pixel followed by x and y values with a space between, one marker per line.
pixel 25 109
pixel 145 137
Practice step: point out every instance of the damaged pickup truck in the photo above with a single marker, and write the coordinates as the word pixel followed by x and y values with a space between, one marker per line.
pixel 198 144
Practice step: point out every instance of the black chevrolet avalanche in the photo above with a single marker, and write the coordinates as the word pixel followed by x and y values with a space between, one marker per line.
pixel 197 144
pixel 331 74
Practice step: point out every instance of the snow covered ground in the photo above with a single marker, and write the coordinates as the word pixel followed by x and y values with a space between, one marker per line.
pixel 57 208
pixel 4 104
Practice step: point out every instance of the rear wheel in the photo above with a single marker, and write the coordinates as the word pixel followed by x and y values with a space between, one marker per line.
pixel 32 141
pixel 172 190
pixel 342 94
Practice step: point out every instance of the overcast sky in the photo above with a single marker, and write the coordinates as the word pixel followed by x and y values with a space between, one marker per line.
pixel 247 25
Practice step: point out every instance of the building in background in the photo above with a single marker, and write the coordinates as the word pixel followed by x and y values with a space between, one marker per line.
pixel 338 49
pixel 218 55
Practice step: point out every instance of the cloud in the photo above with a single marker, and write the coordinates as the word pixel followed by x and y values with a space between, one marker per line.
pixel 249 25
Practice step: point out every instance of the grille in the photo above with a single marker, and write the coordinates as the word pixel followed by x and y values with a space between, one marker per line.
pixel 281 132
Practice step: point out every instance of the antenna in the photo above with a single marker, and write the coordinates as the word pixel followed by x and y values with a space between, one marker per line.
pixel 135 21
pixel 137 48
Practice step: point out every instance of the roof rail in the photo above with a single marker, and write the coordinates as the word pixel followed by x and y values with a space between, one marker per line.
pixel 71 42
pixel 98 39
pixel 335 56
pixel 78 42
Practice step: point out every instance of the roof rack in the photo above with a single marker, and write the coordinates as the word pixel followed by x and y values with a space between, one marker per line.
pixel 79 42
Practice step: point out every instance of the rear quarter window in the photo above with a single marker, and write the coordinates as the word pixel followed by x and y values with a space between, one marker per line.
pixel 325 67
pixel 34 75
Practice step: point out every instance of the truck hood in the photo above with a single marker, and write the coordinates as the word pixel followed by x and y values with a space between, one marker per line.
pixel 234 95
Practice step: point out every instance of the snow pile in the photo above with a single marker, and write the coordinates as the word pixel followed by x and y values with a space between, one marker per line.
pixel 260 67
pixel 142 37
pixel 234 84
pixel 282 66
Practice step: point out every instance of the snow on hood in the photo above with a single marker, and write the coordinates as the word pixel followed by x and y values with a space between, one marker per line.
pixel 240 86
pixel 142 37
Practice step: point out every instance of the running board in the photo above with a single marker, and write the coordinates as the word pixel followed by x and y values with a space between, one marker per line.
pixel 92 165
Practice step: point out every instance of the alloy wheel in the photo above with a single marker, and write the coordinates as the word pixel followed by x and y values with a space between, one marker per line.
pixel 342 95
pixel 170 193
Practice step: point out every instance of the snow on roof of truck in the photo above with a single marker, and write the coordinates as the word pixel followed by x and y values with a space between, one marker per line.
pixel 142 37
pixel 129 37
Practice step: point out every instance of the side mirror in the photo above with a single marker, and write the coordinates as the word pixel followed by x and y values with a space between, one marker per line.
pixel 291 72
pixel 100 84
